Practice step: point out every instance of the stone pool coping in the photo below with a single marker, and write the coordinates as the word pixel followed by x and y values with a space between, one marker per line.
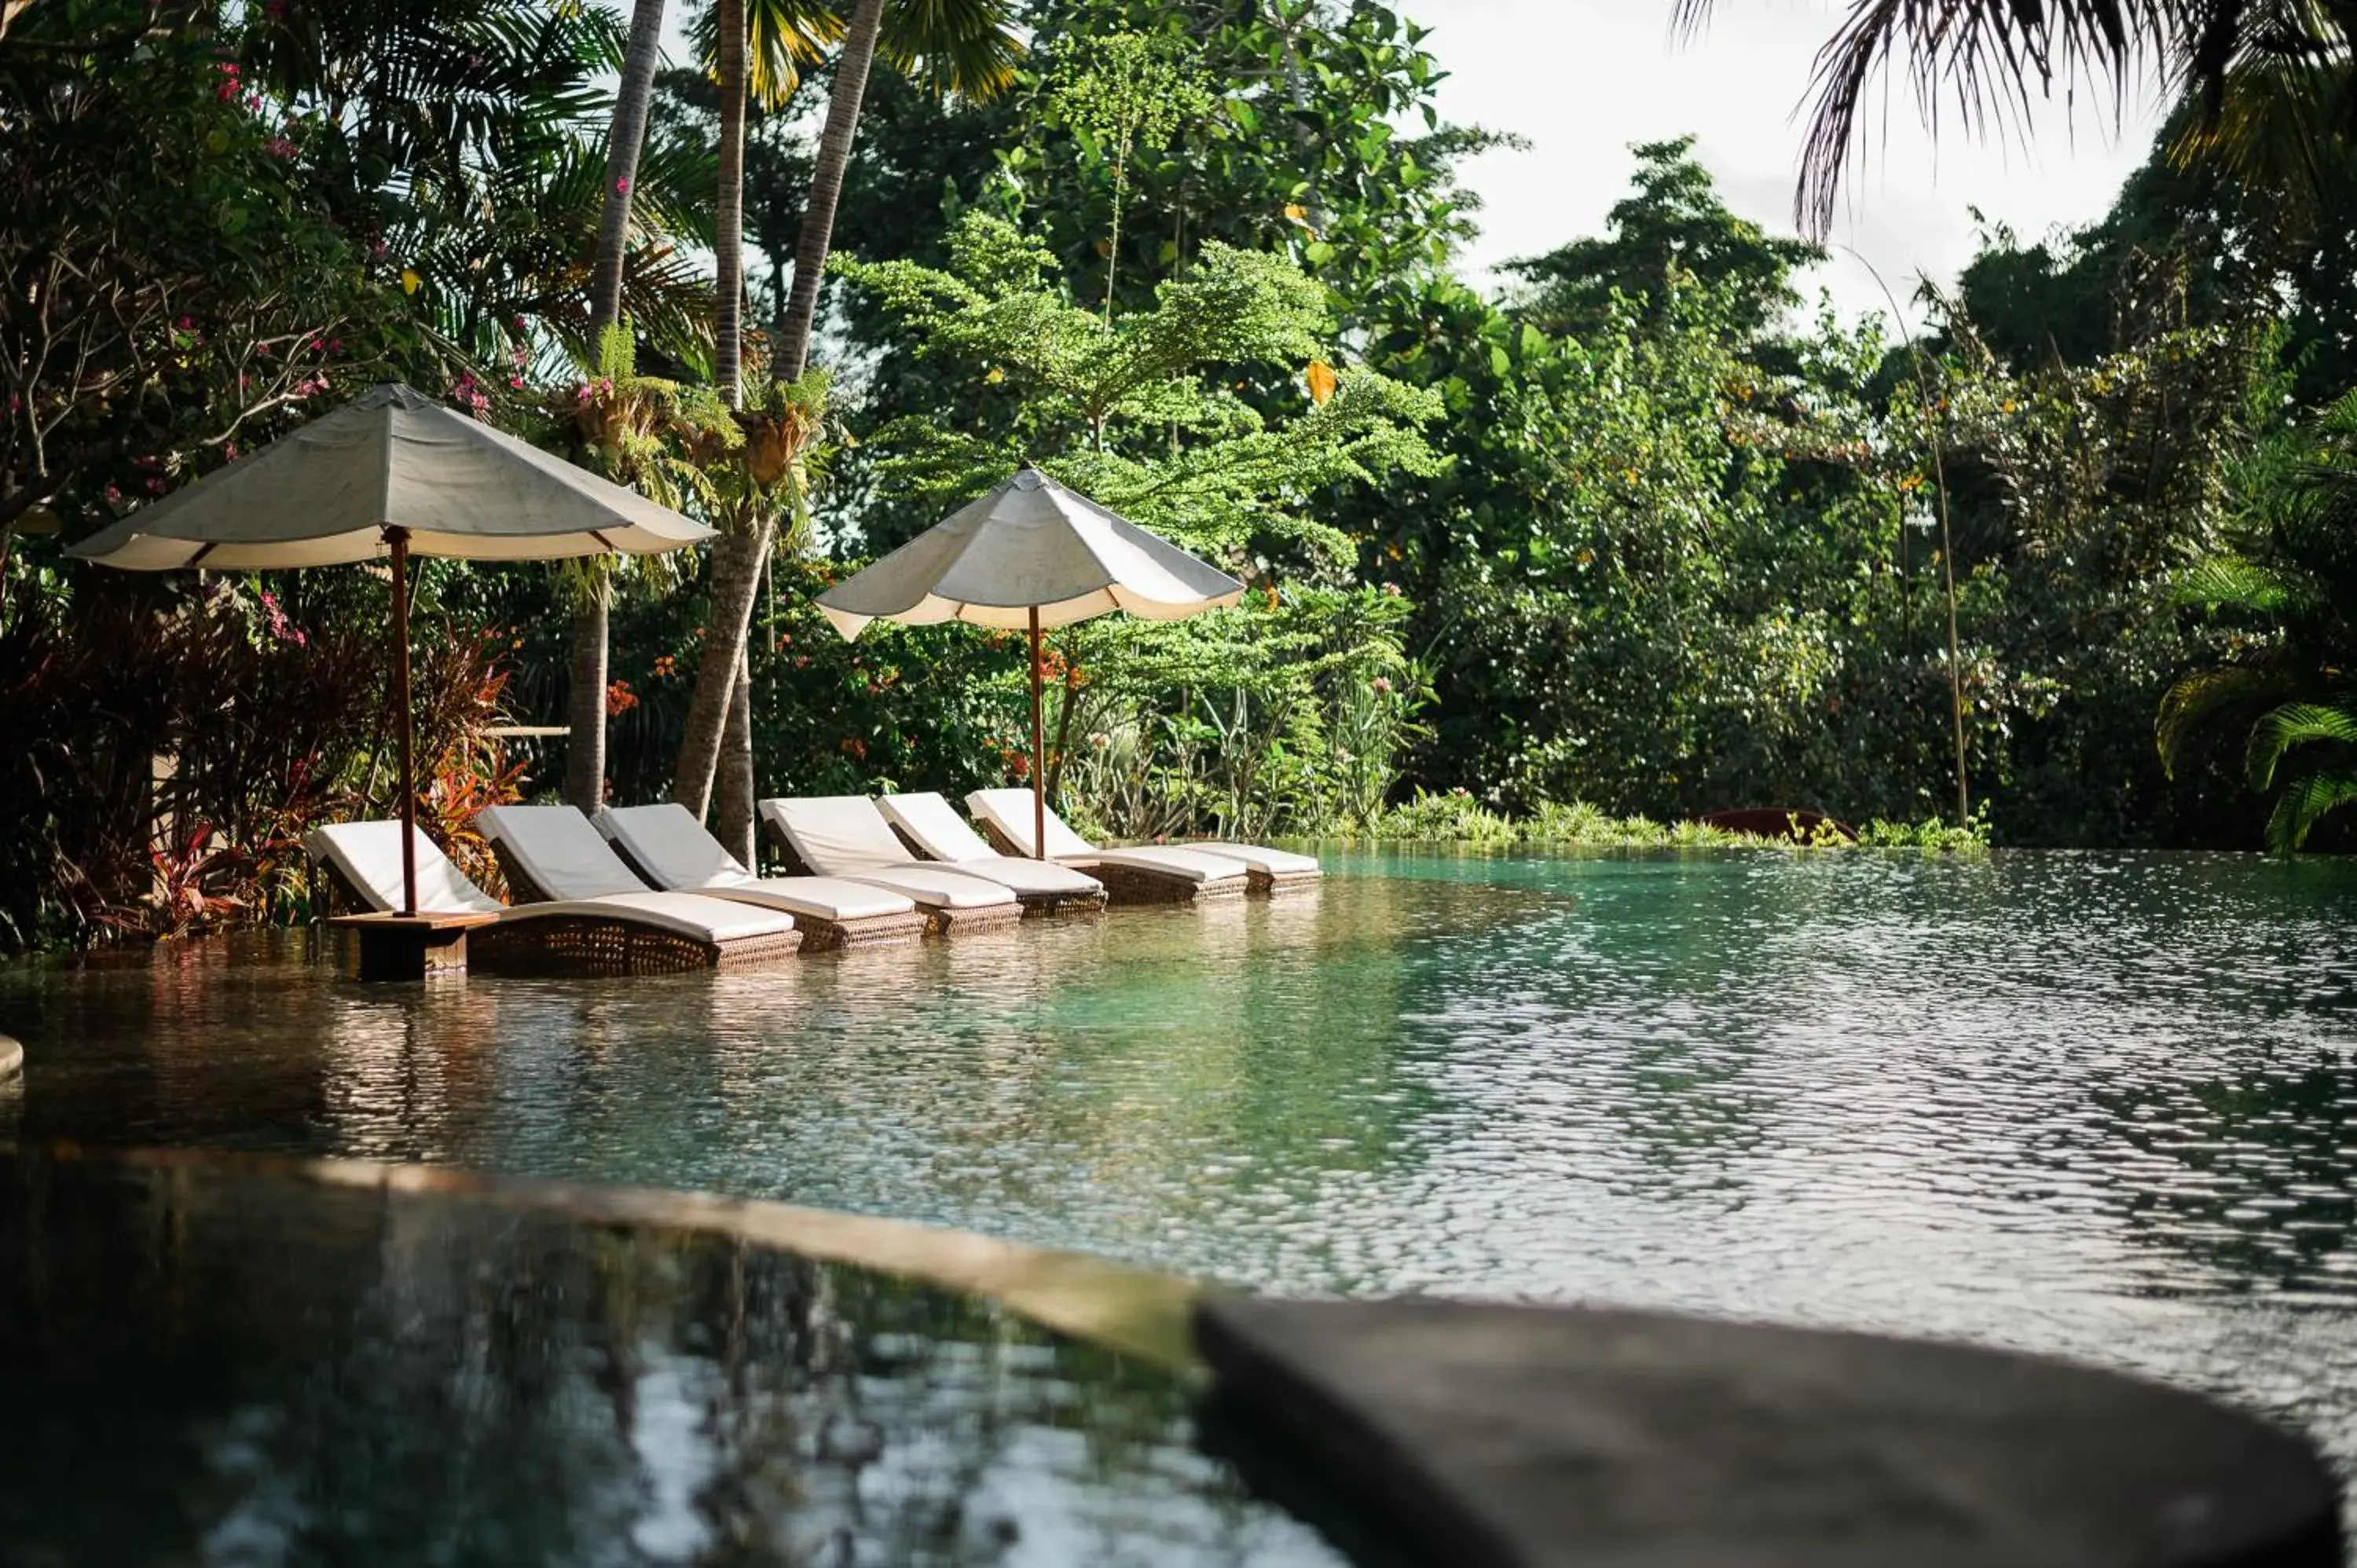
pixel 1132 1310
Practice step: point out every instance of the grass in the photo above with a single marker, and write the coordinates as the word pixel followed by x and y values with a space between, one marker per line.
pixel 1459 818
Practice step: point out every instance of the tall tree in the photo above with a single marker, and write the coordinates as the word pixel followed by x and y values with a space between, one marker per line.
pixel 1671 222
pixel 964 46
pixel 584 756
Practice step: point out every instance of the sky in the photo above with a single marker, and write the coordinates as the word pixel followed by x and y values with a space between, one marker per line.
pixel 1581 80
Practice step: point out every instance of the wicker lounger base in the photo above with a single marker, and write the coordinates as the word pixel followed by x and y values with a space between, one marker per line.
pixel 871 932
pixel 1134 885
pixel 1131 884
pixel 948 922
pixel 730 955
pixel 1266 884
pixel 1047 906
pixel 583 944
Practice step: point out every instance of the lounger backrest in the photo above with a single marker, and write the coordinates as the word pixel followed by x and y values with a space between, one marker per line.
pixel 368 856
pixel 837 835
pixel 560 849
pixel 670 846
pixel 935 826
pixel 1009 811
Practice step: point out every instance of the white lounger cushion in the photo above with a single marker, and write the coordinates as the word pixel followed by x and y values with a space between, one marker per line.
pixel 560 849
pixel 1009 811
pixel 679 851
pixel 689 914
pixel 937 829
pixel 933 824
pixel 1260 857
pixel 836 834
pixel 846 836
pixel 369 856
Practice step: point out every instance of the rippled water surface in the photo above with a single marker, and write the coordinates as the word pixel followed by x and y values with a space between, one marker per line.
pixel 2100 1105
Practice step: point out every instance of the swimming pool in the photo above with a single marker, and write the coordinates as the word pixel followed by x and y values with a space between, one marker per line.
pixel 2099 1105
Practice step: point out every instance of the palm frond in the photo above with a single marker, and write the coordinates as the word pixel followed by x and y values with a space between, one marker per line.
pixel 2201 696
pixel 2306 799
pixel 2237 583
pixel 969 47
pixel 1990 62
pixel 782 39
pixel 2294 725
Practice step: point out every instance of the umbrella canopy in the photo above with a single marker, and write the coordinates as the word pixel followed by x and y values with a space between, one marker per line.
pixel 1030 553
pixel 392 473
pixel 394 459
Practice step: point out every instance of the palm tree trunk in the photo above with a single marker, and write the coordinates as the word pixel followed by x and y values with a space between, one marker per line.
pixel 826 184
pixel 739 559
pixel 736 559
pixel 732 806
pixel 729 239
pixel 585 751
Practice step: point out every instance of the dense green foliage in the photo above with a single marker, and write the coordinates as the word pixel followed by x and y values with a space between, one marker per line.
pixel 1639 528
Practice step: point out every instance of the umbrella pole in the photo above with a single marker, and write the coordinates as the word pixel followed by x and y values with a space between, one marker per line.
pixel 398 538
pixel 1039 751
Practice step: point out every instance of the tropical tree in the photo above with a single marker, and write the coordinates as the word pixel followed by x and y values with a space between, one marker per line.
pixel 959 45
pixel 2291 666
pixel 1148 413
pixel 1671 227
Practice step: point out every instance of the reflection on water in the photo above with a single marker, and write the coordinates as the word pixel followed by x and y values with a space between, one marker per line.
pixel 236 1369
pixel 2100 1105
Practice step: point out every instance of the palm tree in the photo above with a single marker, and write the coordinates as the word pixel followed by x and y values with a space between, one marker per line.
pixel 957 46
pixel 2274 71
pixel 2293 670
pixel 584 756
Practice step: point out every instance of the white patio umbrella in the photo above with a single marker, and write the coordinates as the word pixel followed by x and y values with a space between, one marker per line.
pixel 1030 554
pixel 397 474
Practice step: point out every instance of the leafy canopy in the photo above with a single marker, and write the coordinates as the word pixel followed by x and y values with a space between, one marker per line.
pixel 1148 412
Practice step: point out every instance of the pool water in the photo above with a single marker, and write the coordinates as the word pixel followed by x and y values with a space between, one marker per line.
pixel 2100 1105
pixel 238 1368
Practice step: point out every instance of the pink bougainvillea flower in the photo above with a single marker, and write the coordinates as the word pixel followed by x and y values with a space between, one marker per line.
pixel 622 188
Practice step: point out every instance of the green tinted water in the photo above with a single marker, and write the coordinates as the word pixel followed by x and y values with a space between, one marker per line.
pixel 2099 1105
pixel 236 1369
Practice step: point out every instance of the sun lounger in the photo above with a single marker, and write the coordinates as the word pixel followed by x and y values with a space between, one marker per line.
pixel 845 835
pixel 932 827
pixel 626 932
pixel 1269 870
pixel 1156 874
pixel 669 848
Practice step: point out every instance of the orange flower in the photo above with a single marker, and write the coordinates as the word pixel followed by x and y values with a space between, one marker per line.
pixel 855 747
pixel 620 699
